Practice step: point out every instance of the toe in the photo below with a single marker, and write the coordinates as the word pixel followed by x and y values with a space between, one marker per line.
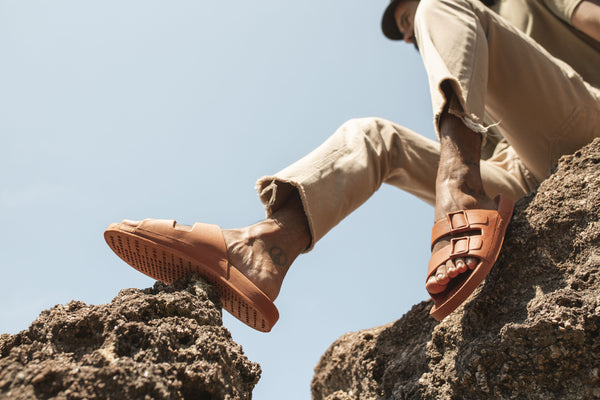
pixel 438 281
pixel 433 286
pixel 471 262
pixel 441 275
pixel 451 269
pixel 461 265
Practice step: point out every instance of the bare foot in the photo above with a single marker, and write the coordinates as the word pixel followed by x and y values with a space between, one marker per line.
pixel 438 282
pixel 458 187
pixel 264 252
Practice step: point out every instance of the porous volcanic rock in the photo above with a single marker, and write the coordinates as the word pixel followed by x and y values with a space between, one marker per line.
pixel 166 342
pixel 531 331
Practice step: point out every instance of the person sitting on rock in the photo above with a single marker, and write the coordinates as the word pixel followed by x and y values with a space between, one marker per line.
pixel 514 86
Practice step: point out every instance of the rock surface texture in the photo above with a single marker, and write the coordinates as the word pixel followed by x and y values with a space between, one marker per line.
pixel 167 342
pixel 531 331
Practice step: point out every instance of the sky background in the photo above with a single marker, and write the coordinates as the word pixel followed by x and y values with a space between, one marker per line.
pixel 172 109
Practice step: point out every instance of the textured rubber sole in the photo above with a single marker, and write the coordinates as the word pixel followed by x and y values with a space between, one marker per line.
pixel 166 265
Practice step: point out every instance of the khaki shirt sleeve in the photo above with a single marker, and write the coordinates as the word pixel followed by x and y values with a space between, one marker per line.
pixel 563 9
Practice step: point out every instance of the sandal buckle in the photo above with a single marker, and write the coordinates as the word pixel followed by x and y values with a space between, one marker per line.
pixel 460 246
pixel 458 220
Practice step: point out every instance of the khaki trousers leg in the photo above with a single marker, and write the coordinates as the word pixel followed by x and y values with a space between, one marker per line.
pixel 351 165
pixel 543 107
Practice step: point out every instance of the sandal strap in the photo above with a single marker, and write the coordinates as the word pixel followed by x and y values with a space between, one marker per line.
pixel 461 221
pixel 472 233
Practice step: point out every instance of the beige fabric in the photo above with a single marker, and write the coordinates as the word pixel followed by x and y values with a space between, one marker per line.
pixel 351 165
pixel 563 9
pixel 542 107
pixel 548 23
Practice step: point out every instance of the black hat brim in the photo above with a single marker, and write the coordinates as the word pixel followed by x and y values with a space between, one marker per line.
pixel 388 22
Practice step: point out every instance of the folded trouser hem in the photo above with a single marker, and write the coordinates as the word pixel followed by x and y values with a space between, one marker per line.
pixel 345 171
pixel 274 192
pixel 456 108
pixel 462 41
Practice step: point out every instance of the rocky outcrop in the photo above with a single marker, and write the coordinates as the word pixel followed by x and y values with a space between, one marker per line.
pixel 532 331
pixel 167 342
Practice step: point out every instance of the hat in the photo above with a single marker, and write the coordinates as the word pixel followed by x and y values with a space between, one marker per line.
pixel 388 22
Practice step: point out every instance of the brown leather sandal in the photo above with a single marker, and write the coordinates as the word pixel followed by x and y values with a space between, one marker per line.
pixel 486 229
pixel 166 251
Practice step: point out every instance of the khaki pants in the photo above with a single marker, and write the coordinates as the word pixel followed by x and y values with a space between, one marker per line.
pixel 543 107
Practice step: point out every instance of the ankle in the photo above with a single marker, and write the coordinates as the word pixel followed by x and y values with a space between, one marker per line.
pixel 291 223
pixel 264 252
pixel 280 238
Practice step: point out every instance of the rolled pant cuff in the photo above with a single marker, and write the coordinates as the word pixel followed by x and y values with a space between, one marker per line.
pixel 456 106
pixel 274 192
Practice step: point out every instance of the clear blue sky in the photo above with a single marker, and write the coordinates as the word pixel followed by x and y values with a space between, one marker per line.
pixel 172 109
